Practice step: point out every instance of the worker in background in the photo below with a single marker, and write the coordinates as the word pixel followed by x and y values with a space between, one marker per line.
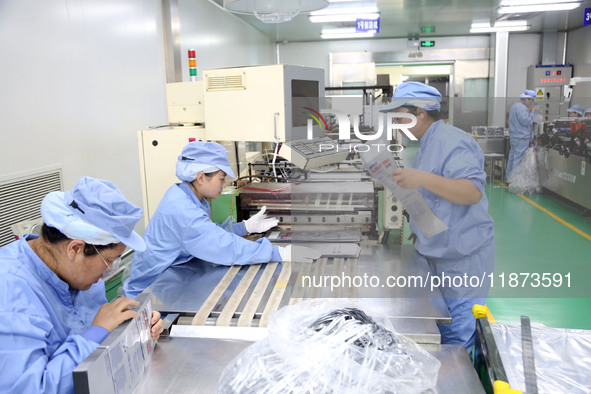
pixel 52 298
pixel 181 229
pixel 448 172
pixel 521 127
pixel 576 111
pixel 588 114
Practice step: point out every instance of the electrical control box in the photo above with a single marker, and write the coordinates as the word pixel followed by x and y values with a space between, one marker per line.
pixel 548 82
pixel 392 211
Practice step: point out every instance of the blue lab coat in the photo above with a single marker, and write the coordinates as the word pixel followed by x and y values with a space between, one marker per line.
pixel 46 326
pixel 468 245
pixel 520 133
pixel 182 230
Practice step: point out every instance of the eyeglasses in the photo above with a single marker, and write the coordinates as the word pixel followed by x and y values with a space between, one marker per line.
pixel 114 265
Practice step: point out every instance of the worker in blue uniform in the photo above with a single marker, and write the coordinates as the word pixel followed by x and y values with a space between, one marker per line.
pixel 181 229
pixel 52 298
pixel 521 127
pixel 448 173
pixel 576 111
pixel 588 113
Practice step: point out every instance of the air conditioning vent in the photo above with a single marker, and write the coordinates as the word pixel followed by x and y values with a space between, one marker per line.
pixel 226 82
pixel 20 199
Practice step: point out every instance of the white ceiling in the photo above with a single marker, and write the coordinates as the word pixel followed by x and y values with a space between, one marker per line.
pixel 401 18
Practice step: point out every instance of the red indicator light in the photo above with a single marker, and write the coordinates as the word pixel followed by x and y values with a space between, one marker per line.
pixel 559 72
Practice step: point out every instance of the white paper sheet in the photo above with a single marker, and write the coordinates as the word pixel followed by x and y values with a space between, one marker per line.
pixel 381 166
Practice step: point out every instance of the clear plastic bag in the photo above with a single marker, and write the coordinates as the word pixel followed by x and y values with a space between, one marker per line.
pixel 524 179
pixel 330 346
pixel 562 357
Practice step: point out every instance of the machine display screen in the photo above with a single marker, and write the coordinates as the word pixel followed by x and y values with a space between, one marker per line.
pixel 304 94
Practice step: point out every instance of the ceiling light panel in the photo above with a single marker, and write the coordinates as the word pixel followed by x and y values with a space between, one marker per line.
pixel 346 11
pixel 344 32
pixel 328 36
pixel 540 7
pixel 342 18
pixel 534 2
pixel 515 25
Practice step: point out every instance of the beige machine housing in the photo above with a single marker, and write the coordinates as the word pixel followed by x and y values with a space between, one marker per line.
pixel 159 150
pixel 261 103
pixel 185 102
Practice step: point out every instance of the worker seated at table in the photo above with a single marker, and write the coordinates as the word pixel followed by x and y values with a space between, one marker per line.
pixel 576 111
pixel 52 298
pixel 181 229
pixel 448 172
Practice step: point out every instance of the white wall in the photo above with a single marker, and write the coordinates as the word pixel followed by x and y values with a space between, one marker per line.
pixel 578 53
pixel 524 51
pixel 80 78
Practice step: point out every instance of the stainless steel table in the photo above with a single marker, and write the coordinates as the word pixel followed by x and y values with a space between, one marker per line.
pixel 193 358
pixel 191 365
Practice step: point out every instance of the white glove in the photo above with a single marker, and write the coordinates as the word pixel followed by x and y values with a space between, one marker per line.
pixel 260 222
pixel 298 254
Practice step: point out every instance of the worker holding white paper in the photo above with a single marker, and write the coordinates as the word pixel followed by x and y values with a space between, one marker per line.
pixel 448 172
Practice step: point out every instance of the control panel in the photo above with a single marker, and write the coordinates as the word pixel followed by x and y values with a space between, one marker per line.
pixel 548 82
pixel 314 153
pixel 392 211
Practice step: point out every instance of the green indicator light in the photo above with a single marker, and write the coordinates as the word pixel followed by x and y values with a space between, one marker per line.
pixel 192 71
pixel 427 44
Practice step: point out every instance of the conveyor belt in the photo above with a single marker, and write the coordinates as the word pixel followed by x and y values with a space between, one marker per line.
pixel 226 315
pixel 276 294
pixel 221 288
pixel 274 287
pixel 245 296
pixel 257 295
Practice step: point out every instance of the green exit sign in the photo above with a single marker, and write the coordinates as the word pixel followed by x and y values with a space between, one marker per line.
pixel 427 44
